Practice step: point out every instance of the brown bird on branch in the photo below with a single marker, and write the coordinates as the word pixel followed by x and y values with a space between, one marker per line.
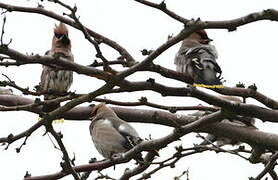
pixel 197 58
pixel 54 80
pixel 110 134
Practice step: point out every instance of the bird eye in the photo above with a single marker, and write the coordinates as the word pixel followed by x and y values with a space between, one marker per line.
pixel 58 35
pixel 94 112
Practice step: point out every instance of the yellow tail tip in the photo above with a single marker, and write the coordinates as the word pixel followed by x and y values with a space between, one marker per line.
pixel 208 86
pixel 56 121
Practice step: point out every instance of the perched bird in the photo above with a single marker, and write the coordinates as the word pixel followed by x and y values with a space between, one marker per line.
pixel 236 121
pixel 52 79
pixel 110 134
pixel 197 58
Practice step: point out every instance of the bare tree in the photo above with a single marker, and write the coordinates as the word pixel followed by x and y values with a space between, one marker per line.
pixel 209 119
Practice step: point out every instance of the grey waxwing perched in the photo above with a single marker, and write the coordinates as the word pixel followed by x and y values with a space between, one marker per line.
pixel 53 79
pixel 197 58
pixel 236 121
pixel 110 134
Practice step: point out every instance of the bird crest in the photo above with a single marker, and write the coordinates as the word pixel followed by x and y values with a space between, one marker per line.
pixel 61 29
pixel 95 109
pixel 204 36
pixel 61 41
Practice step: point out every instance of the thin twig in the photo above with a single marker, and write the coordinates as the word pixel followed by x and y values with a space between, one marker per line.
pixel 221 149
pixel 3 29
pixel 162 6
pixel 68 167
pixel 269 166
pixel 143 101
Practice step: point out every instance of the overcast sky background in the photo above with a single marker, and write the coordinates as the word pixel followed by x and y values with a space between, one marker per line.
pixel 247 55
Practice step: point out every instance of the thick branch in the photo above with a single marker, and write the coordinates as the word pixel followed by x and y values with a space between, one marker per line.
pixel 48 60
pixel 144 65
pixel 246 93
pixel 243 134
pixel 231 25
pixel 147 145
pixel 239 108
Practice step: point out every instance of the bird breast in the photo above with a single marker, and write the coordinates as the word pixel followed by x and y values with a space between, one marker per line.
pixel 60 80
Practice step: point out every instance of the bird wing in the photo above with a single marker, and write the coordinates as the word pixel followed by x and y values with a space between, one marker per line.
pixel 201 64
pixel 106 138
pixel 110 138
pixel 128 132
pixel 45 75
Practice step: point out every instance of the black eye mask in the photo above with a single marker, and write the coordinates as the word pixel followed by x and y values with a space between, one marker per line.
pixel 57 35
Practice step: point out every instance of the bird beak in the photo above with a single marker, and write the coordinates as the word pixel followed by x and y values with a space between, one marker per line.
pixel 207 40
pixel 65 39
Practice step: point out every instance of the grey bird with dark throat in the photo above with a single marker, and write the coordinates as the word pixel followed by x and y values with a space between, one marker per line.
pixel 197 58
pixel 52 79
pixel 110 134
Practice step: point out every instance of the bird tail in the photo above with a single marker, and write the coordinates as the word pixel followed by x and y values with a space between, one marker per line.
pixel 207 72
pixel 203 66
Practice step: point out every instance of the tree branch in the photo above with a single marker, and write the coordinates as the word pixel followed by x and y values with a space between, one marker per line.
pixel 140 168
pixel 67 166
pixel 147 145
pixel 222 129
pixel 11 138
pixel 237 108
pixel 231 25
pixel 143 101
pixel 49 60
pixel 245 93
pixel 53 15
pixel 162 7
pixel 269 166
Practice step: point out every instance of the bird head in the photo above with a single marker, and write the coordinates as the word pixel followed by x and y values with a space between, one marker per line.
pixel 196 39
pixel 203 37
pixel 101 111
pixel 61 37
pixel 96 109
pixel 199 37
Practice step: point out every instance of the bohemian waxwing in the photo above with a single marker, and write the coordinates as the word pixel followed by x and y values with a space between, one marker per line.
pixel 110 134
pixel 197 58
pixel 52 79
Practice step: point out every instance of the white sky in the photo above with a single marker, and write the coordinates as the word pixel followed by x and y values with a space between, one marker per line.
pixel 246 55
